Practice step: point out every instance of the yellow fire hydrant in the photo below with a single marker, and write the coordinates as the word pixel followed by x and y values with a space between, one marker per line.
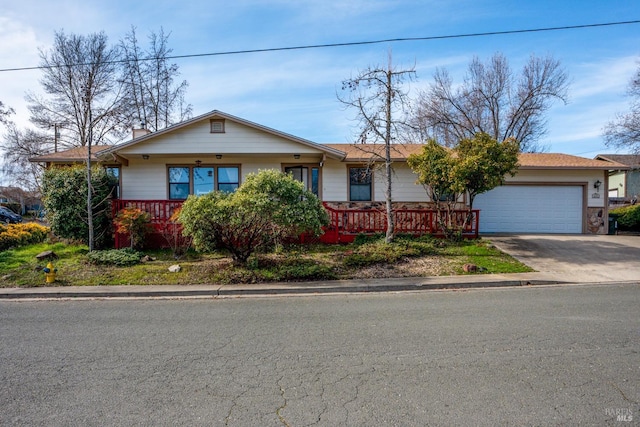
pixel 50 273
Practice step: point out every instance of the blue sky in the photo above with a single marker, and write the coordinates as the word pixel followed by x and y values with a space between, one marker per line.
pixel 295 91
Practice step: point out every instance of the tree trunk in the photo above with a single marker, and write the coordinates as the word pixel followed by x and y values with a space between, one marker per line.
pixel 89 187
pixel 391 224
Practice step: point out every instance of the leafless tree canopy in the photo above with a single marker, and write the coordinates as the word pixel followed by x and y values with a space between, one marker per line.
pixel 493 100
pixel 380 99
pixel 624 131
pixel 83 94
pixel 87 92
pixel 152 97
pixel 5 112
pixel 18 146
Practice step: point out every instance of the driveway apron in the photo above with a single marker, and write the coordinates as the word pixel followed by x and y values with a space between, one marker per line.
pixel 576 258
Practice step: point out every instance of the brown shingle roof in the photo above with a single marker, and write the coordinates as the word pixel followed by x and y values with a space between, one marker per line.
pixel 563 161
pixel 399 152
pixel 631 160
pixel 362 152
pixel 76 154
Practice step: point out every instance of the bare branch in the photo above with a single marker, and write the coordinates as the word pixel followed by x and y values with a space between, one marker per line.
pixel 79 75
pixel 492 101
pixel 624 131
pixel 152 95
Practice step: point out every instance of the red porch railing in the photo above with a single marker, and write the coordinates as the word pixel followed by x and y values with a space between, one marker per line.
pixel 160 211
pixel 344 225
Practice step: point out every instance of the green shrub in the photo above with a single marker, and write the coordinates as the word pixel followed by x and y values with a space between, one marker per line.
pixel 118 257
pixel 267 209
pixel 628 217
pixel 65 200
pixel 291 268
pixel 15 235
pixel 306 271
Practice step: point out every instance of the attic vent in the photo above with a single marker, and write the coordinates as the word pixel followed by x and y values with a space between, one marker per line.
pixel 217 126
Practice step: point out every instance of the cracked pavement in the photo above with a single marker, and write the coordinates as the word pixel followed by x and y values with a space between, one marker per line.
pixel 552 356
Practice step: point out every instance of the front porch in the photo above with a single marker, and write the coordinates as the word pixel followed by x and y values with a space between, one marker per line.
pixel 345 223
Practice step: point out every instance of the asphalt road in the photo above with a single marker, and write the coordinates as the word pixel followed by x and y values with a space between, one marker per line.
pixel 530 356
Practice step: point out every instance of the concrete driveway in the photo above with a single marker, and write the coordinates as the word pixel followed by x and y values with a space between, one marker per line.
pixel 575 258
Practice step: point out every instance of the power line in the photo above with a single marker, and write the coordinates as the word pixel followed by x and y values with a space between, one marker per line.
pixel 360 43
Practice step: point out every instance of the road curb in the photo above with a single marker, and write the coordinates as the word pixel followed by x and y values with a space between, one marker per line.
pixel 239 290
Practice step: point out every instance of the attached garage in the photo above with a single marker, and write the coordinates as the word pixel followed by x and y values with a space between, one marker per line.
pixel 532 209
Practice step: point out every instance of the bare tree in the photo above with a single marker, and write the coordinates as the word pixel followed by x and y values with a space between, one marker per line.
pixel 18 146
pixel 492 100
pixel 84 96
pixel 152 95
pixel 82 92
pixel 381 102
pixel 5 112
pixel 624 131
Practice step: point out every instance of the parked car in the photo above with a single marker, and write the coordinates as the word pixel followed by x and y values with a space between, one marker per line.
pixel 8 216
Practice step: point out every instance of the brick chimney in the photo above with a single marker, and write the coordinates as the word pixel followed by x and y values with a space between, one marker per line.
pixel 137 133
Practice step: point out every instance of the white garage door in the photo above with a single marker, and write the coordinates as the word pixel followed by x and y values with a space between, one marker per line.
pixel 531 209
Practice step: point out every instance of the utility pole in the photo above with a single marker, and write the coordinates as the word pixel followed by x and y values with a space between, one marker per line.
pixel 56 135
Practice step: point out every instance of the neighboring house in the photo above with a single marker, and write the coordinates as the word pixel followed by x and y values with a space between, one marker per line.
pixel 623 184
pixel 22 201
pixel 552 193
pixel 78 155
pixel 71 156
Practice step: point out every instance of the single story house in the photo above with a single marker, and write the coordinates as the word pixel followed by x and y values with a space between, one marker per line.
pixel 551 193
pixel 623 184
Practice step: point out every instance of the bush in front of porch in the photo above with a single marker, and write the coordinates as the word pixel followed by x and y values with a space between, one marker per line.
pixel 266 210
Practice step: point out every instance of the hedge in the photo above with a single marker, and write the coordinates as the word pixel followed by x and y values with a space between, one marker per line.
pixel 628 217
pixel 15 235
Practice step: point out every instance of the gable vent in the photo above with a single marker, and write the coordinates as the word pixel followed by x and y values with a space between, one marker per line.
pixel 217 126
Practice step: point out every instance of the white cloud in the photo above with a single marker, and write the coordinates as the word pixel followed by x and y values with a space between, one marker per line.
pixel 19 45
pixel 608 77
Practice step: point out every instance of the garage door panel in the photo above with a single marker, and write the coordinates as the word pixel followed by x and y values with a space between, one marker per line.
pixel 531 209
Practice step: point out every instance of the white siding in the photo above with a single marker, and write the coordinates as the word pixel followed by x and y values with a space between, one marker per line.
pixel 237 138
pixel 144 180
pixel 404 188
pixel 334 181
pixel 147 179
pixel 404 184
